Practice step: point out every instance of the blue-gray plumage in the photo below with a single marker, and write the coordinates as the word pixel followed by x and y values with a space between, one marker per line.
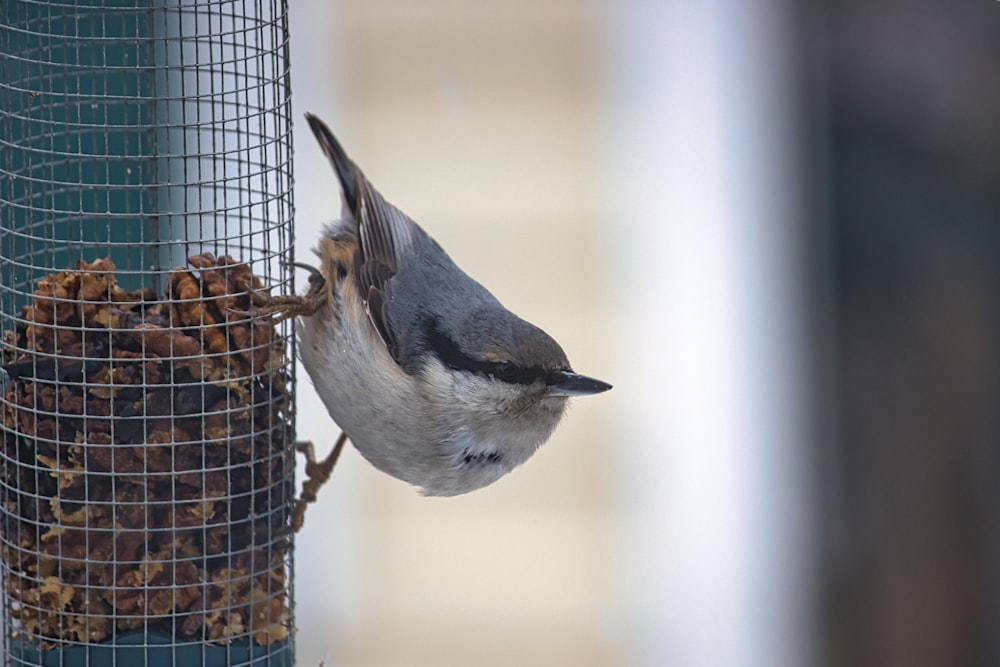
pixel 433 380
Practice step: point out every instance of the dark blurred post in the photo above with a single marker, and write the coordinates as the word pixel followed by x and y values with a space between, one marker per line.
pixel 908 109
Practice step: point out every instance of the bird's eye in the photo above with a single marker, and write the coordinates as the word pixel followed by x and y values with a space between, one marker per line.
pixel 508 372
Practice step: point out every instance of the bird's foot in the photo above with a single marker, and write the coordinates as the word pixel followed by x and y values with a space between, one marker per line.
pixel 317 474
pixel 289 305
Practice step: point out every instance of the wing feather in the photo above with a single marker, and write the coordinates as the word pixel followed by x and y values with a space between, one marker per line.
pixel 389 241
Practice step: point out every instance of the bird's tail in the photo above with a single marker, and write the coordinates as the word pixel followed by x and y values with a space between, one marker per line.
pixel 347 172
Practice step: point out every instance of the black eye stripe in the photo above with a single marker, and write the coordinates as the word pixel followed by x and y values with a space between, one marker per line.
pixel 513 374
pixel 452 356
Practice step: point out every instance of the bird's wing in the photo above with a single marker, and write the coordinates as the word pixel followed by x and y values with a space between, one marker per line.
pixel 390 241
pixel 387 234
pixel 388 237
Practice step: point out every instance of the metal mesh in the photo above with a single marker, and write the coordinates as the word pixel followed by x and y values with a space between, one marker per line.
pixel 146 472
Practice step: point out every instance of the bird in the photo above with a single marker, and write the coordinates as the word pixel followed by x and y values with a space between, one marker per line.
pixel 432 379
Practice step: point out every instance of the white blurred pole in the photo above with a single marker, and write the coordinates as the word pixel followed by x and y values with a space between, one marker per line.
pixel 712 328
pixel 327 562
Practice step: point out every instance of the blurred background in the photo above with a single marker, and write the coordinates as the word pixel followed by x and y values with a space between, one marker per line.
pixel 775 228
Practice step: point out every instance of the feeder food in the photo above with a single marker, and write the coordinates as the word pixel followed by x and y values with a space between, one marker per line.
pixel 146 468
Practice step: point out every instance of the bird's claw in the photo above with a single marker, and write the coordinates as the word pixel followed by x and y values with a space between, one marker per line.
pixel 317 474
pixel 287 306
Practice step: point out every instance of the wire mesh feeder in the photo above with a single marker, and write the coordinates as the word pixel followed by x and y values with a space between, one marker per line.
pixel 146 473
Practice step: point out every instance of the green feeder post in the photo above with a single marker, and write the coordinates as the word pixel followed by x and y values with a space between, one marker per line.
pixel 146 468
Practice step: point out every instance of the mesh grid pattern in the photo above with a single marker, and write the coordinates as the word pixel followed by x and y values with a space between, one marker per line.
pixel 146 475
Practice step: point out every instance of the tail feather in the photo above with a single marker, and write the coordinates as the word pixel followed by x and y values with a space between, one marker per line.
pixel 342 165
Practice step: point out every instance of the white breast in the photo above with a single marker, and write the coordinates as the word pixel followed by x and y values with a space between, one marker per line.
pixel 446 432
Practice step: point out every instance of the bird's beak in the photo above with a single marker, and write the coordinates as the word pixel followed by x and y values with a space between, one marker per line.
pixel 566 383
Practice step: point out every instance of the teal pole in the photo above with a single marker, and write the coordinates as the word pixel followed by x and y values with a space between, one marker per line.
pixel 143 131
pixel 77 141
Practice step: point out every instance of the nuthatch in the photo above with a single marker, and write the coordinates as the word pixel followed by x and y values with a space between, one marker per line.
pixel 432 379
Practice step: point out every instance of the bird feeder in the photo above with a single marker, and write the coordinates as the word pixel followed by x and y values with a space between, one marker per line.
pixel 146 467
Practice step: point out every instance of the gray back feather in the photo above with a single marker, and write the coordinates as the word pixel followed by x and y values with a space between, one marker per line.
pixel 411 286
